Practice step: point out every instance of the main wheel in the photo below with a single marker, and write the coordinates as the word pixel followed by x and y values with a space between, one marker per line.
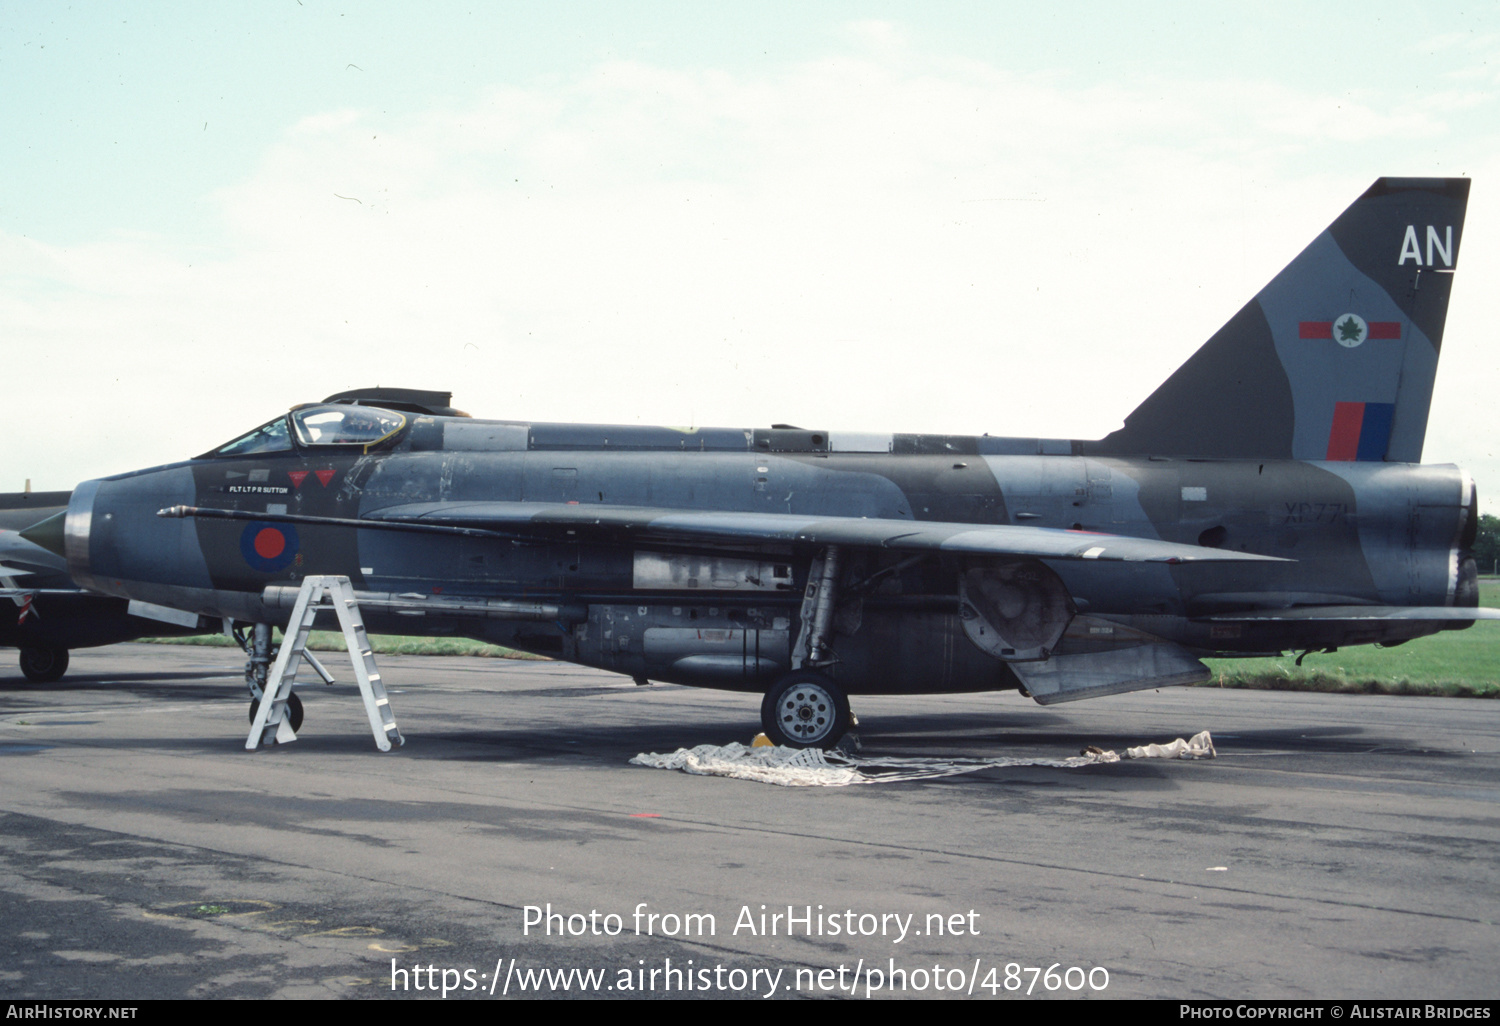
pixel 43 665
pixel 805 710
pixel 293 708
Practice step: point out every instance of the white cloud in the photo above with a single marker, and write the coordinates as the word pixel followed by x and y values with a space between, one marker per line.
pixel 877 239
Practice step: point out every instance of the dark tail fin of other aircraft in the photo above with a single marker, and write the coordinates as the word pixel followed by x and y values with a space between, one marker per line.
pixel 1335 358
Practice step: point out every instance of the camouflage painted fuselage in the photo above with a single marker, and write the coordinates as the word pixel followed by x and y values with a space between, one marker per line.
pixel 1350 533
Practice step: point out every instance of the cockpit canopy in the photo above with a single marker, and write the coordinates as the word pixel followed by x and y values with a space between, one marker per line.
pixel 318 426
pixel 345 425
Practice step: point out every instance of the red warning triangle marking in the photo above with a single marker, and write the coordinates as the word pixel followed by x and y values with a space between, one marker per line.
pixel 324 475
pixel 297 476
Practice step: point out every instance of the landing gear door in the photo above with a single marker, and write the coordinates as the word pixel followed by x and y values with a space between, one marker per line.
pixel 1098 657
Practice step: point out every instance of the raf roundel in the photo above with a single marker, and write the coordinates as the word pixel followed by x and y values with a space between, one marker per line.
pixel 268 547
pixel 1350 330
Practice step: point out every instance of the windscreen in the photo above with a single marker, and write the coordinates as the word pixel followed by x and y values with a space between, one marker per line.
pixel 272 437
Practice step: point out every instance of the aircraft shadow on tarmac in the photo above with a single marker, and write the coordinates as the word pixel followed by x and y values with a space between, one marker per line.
pixel 337 728
pixel 930 736
pixel 154 686
pixel 94 681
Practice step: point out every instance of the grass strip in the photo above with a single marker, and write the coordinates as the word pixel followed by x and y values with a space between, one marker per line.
pixel 1458 664
pixel 383 644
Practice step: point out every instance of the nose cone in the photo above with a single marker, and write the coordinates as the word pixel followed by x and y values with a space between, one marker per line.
pixel 48 534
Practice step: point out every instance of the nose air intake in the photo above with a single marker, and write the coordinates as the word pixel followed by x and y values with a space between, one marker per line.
pixel 76 526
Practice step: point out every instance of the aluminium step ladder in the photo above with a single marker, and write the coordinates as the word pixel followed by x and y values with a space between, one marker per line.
pixel 319 593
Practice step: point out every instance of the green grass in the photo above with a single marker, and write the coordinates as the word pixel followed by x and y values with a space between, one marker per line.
pixel 1454 663
pixel 383 644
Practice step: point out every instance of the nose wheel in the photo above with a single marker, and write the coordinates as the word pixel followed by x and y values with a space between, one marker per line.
pixel 293 710
pixel 43 665
pixel 805 710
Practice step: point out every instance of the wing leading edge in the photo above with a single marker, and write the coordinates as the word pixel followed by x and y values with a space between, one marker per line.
pixel 636 524
pixel 675 526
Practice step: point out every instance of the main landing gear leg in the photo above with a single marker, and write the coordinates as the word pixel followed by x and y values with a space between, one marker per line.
pixel 805 708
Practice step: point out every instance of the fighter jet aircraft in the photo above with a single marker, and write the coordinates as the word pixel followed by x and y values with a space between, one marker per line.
pixel 50 613
pixel 1267 497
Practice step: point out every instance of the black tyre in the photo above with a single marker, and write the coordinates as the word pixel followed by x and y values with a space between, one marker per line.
pixel 293 708
pixel 805 710
pixel 44 665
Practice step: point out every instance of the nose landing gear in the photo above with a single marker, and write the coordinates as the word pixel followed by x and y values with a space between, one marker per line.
pixel 256 641
pixel 293 710
pixel 43 665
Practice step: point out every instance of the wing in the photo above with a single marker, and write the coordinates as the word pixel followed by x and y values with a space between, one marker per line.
pixel 637 524
pixel 21 558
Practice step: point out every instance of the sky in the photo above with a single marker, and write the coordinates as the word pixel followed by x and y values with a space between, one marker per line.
pixel 939 217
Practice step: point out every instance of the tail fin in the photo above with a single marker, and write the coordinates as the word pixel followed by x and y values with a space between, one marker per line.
pixel 1335 358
